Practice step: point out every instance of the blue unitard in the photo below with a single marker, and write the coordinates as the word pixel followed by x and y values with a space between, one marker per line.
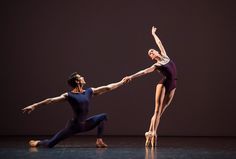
pixel 80 123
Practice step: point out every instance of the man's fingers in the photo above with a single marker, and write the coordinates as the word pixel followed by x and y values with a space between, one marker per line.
pixel 24 110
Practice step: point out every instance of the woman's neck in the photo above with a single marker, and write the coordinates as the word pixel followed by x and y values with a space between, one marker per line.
pixel 157 59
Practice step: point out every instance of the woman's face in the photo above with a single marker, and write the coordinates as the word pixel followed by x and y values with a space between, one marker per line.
pixel 152 54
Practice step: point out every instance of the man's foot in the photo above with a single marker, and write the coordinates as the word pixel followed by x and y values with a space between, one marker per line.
pixel 34 143
pixel 101 144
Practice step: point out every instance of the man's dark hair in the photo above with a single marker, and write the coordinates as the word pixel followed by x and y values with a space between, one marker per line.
pixel 72 79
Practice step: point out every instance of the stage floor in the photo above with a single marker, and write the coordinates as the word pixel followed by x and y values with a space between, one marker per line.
pixel 83 147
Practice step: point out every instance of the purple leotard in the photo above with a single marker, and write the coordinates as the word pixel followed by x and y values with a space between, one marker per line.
pixel 169 71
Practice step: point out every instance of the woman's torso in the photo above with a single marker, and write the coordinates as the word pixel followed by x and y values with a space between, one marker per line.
pixel 167 68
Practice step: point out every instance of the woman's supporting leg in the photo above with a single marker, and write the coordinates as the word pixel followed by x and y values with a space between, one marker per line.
pixel 161 105
pixel 160 94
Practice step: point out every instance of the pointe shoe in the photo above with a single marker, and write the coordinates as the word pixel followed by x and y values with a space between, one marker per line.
pixel 34 143
pixel 148 138
pixel 147 141
pixel 154 140
pixel 101 145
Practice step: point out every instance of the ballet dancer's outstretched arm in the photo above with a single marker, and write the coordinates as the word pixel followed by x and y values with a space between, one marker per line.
pixel 107 88
pixel 158 42
pixel 47 101
pixel 140 73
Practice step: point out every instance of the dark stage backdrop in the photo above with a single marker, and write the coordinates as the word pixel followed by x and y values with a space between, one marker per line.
pixel 42 42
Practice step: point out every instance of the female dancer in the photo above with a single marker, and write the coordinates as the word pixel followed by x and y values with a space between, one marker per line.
pixel 165 89
pixel 79 100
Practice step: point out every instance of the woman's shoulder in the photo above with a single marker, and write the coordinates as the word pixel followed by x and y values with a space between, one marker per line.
pixel 163 61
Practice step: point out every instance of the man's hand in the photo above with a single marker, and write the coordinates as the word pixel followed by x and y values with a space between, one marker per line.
pixel 29 109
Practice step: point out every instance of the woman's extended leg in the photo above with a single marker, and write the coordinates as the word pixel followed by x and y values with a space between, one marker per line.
pixel 168 99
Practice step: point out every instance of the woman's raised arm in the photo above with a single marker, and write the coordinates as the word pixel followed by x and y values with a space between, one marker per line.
pixel 158 42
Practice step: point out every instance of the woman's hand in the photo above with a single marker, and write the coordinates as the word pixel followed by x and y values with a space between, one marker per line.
pixel 29 109
pixel 154 29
